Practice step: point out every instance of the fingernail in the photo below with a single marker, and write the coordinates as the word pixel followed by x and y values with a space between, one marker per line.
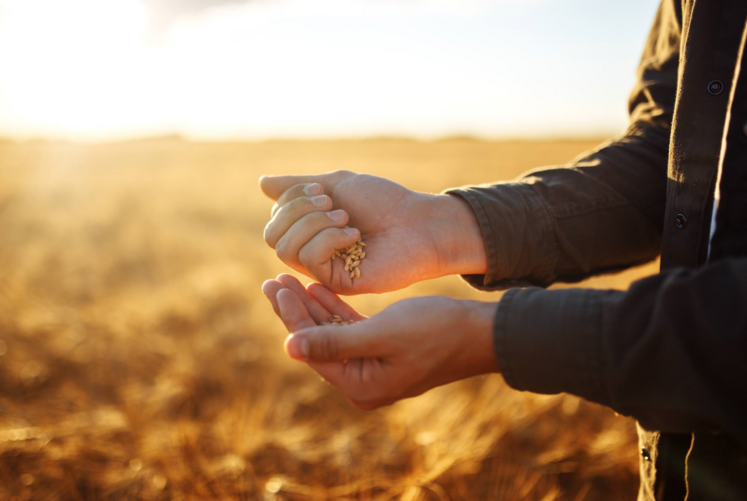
pixel 319 201
pixel 336 215
pixel 298 347
pixel 313 189
pixel 351 231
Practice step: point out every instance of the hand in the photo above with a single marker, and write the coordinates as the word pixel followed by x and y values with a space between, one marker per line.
pixel 407 349
pixel 410 236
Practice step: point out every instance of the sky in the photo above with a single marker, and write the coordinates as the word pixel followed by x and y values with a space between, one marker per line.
pixel 257 69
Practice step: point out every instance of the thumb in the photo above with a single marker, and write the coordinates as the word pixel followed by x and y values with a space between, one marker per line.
pixel 332 343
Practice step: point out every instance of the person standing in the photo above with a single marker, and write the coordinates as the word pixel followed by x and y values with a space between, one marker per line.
pixel 671 351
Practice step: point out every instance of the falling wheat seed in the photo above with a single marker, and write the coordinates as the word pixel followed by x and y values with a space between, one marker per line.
pixel 352 255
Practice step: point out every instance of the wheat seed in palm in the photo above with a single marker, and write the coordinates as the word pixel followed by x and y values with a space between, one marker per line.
pixel 337 320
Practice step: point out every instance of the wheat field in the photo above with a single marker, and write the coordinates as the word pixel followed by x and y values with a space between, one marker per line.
pixel 139 359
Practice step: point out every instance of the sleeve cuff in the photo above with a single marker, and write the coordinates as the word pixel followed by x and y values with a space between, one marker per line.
pixel 518 232
pixel 551 341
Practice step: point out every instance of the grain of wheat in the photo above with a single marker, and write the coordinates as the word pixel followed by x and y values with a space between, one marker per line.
pixel 352 255
pixel 337 320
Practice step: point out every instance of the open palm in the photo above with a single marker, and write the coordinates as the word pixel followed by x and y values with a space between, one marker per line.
pixel 303 310
pixel 405 350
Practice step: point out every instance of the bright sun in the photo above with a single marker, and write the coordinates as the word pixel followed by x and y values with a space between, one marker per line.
pixel 93 69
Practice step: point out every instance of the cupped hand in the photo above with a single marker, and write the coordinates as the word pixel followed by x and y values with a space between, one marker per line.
pixel 407 349
pixel 409 236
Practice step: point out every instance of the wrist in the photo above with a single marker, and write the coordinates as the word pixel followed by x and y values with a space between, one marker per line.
pixel 458 237
pixel 481 319
pixel 472 351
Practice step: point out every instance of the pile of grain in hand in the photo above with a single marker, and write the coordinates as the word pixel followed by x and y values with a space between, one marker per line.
pixel 337 320
pixel 353 256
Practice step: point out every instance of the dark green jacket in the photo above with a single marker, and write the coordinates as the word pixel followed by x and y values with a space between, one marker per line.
pixel 671 351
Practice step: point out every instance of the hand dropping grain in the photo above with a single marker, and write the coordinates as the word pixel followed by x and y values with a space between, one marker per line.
pixel 353 256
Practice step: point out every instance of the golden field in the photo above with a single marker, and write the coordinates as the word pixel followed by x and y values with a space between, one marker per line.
pixel 139 359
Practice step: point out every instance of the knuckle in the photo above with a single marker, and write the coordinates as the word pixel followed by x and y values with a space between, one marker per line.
pixel 297 205
pixel 318 220
pixel 294 210
pixel 341 173
pixel 322 223
pixel 267 235
pixel 328 347
pixel 291 194
pixel 315 249
pixel 282 251
pixel 306 255
pixel 302 206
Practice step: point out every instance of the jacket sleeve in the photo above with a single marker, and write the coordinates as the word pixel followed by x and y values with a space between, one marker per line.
pixel 671 351
pixel 603 211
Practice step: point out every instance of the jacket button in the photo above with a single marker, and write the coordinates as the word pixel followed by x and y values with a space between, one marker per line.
pixel 716 87
pixel 645 454
pixel 680 221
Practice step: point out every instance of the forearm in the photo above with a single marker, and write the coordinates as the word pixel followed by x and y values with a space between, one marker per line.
pixel 670 351
pixel 600 213
pixel 604 210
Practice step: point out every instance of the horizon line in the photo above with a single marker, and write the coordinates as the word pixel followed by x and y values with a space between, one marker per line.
pixel 177 137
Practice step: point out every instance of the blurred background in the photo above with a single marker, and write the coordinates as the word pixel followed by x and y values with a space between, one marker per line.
pixel 138 357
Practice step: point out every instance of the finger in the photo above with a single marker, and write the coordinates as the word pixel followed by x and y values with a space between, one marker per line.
pixel 293 313
pixel 332 302
pixel 292 212
pixel 275 186
pixel 297 191
pixel 331 371
pixel 270 289
pixel 304 230
pixel 320 249
pixel 316 310
pixel 332 343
